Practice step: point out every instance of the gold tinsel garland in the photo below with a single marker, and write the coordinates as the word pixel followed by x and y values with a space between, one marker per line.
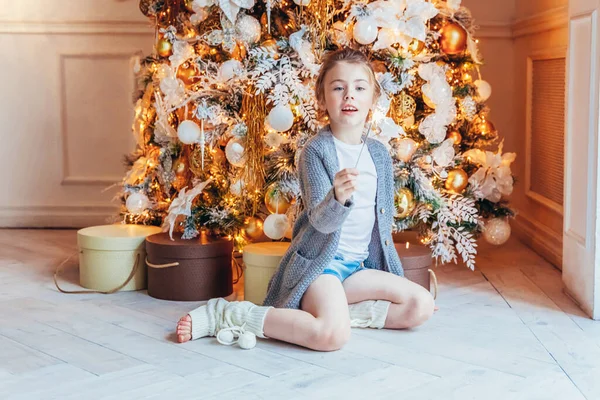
pixel 254 112
pixel 319 17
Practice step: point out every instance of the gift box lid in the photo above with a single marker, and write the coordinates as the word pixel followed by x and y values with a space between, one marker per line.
pixel 160 246
pixel 265 254
pixel 119 237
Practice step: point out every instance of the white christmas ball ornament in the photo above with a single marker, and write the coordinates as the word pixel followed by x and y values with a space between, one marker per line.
pixel 248 29
pixel 496 231
pixel 229 69
pixel 365 31
pixel 275 226
pixel 405 149
pixel 484 90
pixel 234 152
pixel 137 202
pixel 302 2
pixel 281 118
pixel 188 132
pixel 247 340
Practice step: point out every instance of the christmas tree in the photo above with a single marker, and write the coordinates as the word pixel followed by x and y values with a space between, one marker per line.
pixel 226 102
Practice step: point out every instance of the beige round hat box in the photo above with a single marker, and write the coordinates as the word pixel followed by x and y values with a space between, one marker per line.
pixel 108 253
pixel 261 260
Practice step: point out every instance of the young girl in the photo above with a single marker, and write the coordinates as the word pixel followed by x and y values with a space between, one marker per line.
pixel 341 269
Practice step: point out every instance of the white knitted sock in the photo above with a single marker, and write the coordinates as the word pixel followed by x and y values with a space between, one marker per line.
pixel 238 313
pixel 369 314
pixel 205 319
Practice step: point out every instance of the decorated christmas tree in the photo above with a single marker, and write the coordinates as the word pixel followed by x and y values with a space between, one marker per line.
pixel 226 102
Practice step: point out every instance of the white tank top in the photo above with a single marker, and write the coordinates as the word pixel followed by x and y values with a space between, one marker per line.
pixel 358 226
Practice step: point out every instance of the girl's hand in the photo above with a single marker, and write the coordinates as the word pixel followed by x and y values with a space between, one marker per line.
pixel 344 184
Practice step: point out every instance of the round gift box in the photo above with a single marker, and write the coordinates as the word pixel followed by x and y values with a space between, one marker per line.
pixel 416 262
pixel 107 254
pixel 261 261
pixel 189 269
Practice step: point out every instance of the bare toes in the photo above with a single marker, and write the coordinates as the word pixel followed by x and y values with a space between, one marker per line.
pixel 184 329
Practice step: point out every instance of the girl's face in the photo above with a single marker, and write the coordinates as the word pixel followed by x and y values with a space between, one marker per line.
pixel 349 94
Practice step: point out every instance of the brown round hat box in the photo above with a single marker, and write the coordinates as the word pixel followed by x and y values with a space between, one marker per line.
pixel 416 262
pixel 189 269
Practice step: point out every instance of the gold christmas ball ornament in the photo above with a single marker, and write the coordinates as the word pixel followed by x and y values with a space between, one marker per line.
pixel 276 201
pixel 467 72
pixel 457 180
pixel 416 47
pixel 455 136
pixel 496 231
pixel 453 39
pixel 404 201
pixel 253 228
pixel 164 48
pixel 188 72
pixel 270 44
pixel 484 127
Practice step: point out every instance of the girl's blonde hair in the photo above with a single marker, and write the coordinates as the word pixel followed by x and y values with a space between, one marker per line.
pixel 344 54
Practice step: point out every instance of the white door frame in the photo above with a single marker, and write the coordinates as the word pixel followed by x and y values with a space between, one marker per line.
pixel 581 228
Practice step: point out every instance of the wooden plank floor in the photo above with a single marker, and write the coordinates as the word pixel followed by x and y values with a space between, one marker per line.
pixel 505 331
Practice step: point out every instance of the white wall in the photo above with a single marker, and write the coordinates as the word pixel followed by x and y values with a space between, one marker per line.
pixel 66 107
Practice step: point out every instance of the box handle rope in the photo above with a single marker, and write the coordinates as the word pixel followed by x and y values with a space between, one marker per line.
pixel 58 270
pixel 169 265
pixel 435 283
pixel 238 267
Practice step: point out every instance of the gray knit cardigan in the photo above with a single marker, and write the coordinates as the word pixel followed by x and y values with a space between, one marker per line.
pixel 316 233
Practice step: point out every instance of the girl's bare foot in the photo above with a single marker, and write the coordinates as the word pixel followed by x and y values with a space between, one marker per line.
pixel 184 329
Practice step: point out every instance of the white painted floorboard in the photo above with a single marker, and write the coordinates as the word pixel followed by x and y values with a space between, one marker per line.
pixel 505 331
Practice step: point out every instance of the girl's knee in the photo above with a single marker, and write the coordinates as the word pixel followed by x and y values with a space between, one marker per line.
pixel 329 337
pixel 422 306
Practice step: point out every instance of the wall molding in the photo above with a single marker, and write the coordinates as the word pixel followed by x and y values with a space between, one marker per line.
pixel 77 27
pixel 75 216
pixel 552 19
pixel 555 18
pixel 91 180
pixel 493 30
pixel 487 29
pixel 547 54
pixel 540 238
pixel 68 177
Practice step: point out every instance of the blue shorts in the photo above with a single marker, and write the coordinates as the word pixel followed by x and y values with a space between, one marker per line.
pixel 342 269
